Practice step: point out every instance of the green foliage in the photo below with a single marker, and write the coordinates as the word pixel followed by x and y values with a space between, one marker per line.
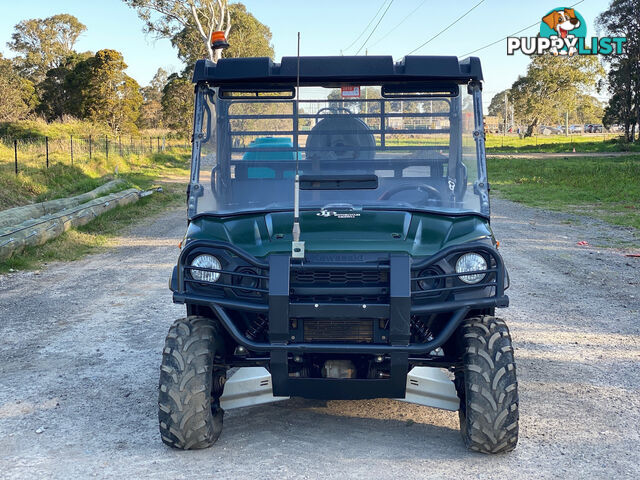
pixel 38 129
pixel 104 93
pixel 151 110
pixel 54 91
pixel 35 182
pixel 43 44
pixel 622 19
pixel 178 103
pixel 168 17
pixel 588 110
pixel 602 187
pixel 247 38
pixel 552 84
pixel 16 93
pixel 496 107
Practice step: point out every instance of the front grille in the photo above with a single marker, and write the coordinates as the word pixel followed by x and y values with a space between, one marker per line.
pixel 339 298
pixel 338 277
pixel 338 330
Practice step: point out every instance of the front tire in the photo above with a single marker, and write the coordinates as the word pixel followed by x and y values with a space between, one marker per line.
pixel 189 411
pixel 487 386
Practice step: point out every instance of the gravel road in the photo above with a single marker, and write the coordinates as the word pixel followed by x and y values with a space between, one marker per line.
pixel 82 344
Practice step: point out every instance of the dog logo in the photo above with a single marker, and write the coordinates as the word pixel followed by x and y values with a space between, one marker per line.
pixel 563 31
pixel 565 24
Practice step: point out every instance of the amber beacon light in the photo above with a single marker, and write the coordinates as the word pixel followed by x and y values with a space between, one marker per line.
pixel 218 40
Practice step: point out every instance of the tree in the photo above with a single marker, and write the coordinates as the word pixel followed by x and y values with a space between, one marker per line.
pixel 43 44
pixel 151 110
pixel 248 37
pixel 589 110
pixel 622 19
pixel 496 106
pixel 54 91
pixel 171 16
pixel 102 92
pixel 552 86
pixel 16 93
pixel 177 103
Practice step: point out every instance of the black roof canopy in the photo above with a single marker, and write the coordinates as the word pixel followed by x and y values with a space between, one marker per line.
pixel 332 71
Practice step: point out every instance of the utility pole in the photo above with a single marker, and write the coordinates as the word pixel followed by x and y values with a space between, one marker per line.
pixel 506 112
pixel 513 122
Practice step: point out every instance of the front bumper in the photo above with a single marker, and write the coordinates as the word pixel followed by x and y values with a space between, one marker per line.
pixel 399 306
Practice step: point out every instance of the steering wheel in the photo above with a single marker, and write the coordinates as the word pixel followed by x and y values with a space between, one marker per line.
pixel 334 111
pixel 430 191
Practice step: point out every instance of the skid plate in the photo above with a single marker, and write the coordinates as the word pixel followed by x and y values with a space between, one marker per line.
pixel 432 387
pixel 248 386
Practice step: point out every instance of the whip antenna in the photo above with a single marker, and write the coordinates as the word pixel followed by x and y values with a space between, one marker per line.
pixel 297 247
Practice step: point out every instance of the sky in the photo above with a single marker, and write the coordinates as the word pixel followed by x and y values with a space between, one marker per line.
pixel 328 27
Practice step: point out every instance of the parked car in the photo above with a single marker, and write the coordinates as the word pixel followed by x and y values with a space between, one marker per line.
pixel 550 130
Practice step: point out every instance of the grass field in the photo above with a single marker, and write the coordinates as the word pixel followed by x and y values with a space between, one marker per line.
pixel 605 188
pixel 513 144
pixel 558 144
pixel 36 183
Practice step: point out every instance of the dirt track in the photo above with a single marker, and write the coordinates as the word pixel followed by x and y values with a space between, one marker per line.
pixel 82 343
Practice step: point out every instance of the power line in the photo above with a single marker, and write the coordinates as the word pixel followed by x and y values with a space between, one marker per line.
pixel 447 27
pixel 375 28
pixel 367 27
pixel 511 35
pixel 375 42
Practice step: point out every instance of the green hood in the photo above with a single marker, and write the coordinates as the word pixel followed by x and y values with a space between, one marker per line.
pixel 419 234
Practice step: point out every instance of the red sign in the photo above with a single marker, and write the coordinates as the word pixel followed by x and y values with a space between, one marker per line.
pixel 350 92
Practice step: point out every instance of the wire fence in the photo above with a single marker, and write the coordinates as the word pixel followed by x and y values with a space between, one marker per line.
pixel 542 141
pixel 42 152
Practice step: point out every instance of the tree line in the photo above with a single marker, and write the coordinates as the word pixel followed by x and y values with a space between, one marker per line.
pixel 48 78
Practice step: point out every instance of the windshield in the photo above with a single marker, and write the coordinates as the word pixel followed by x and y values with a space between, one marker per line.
pixel 417 152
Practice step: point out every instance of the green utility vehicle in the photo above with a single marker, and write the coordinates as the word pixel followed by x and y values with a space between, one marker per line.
pixel 339 246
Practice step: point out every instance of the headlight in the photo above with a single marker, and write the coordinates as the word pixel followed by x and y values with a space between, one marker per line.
pixel 471 262
pixel 205 261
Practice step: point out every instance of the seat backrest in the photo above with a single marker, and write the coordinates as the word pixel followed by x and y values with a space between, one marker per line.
pixel 341 137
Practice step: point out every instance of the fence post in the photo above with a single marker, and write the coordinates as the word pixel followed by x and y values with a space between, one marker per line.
pixel 158 140
pixel 150 145
pixel 71 150
pixel 46 148
pixel 106 146
pixel 120 144
pixel 15 153
pixel 90 148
